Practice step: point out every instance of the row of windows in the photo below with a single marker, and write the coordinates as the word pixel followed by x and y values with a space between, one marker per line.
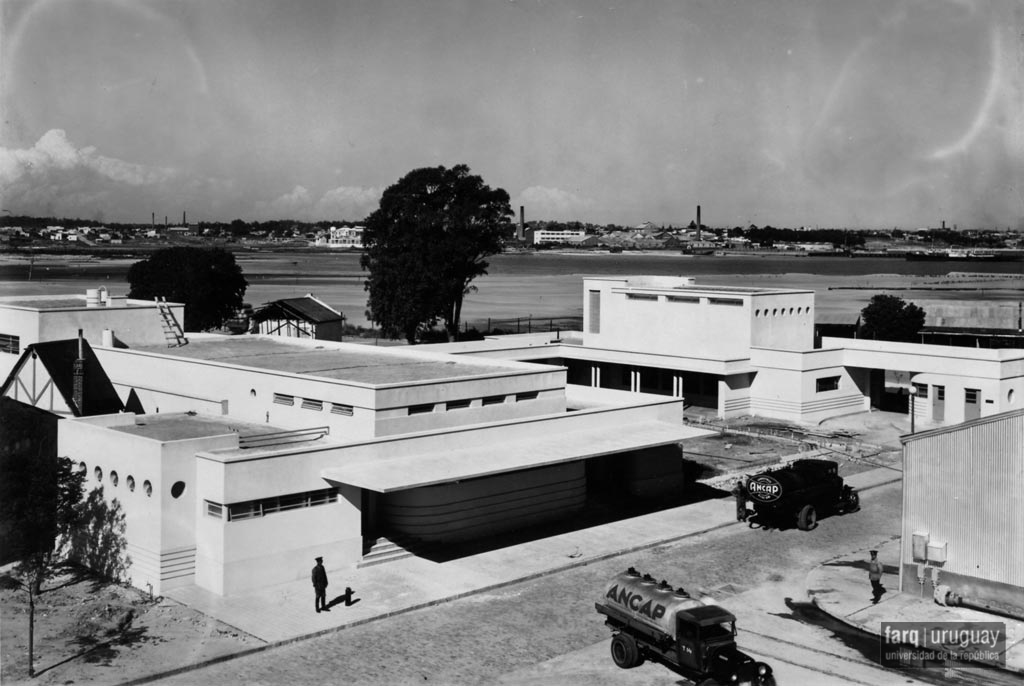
pixel 464 403
pixel 781 311
pixel 311 404
pixel 685 299
pixel 177 488
pixel 265 506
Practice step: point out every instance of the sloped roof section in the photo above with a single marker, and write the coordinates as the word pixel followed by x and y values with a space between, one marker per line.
pixel 58 358
pixel 307 308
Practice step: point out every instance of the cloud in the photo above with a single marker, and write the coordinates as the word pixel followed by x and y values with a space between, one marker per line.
pixel 342 203
pixel 53 152
pixel 553 203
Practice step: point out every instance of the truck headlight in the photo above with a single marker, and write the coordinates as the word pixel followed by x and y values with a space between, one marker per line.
pixel 762 669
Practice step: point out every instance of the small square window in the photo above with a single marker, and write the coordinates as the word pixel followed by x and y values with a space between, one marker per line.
pixel 310 404
pixel 282 399
pixel 341 409
pixel 457 405
pixel 494 400
pixel 827 383
pixel 214 509
pixel 531 395
pixel 922 390
pixel 421 409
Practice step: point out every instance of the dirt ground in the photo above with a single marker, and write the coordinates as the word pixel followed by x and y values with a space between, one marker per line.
pixel 91 632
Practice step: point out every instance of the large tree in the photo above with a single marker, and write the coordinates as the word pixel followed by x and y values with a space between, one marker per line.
pixel 889 318
pixel 206 280
pixel 425 244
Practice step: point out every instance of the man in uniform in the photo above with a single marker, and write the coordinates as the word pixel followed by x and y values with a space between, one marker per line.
pixel 320 585
pixel 875 576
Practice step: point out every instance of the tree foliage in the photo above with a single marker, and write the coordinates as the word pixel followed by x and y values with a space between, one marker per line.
pixel 889 318
pixel 426 243
pixel 206 280
pixel 39 492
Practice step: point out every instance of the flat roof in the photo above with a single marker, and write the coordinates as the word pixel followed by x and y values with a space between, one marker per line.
pixel 183 426
pixel 343 361
pixel 431 468
pixel 64 302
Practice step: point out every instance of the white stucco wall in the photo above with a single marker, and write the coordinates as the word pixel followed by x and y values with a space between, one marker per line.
pixel 166 383
pixel 651 315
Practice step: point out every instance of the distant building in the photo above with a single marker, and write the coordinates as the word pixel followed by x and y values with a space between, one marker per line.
pixel 344 237
pixel 542 236
pixel 305 317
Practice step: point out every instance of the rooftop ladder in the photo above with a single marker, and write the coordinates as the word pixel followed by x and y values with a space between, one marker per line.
pixel 172 329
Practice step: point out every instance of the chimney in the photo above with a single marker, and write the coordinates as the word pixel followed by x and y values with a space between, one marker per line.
pixel 184 221
pixel 153 220
pixel 698 222
pixel 943 224
pixel 521 233
pixel 78 382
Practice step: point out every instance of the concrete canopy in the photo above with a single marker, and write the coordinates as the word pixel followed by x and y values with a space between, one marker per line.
pixel 445 466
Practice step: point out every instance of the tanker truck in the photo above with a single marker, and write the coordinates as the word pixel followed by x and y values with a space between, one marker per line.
pixel 795 494
pixel 650 620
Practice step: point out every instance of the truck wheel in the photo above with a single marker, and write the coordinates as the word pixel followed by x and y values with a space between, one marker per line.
pixel 808 518
pixel 625 652
pixel 853 503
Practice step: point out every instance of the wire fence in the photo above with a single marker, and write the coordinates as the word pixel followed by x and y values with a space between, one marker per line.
pixel 527 324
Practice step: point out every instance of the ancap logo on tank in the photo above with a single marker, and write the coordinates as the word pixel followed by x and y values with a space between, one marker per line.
pixel 764 488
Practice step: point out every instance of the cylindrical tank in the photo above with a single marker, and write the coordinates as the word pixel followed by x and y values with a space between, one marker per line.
pixel 108 338
pixel 649 601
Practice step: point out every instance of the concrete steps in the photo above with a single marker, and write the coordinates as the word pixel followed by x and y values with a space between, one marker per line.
pixel 382 549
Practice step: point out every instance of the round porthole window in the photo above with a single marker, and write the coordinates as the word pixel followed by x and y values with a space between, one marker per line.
pixel 177 489
pixel 98 473
pixel 131 482
pixel 147 487
pixel 1010 396
pixel 82 468
pixel 113 478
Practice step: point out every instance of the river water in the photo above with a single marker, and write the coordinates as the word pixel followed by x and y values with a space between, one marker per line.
pixel 550 284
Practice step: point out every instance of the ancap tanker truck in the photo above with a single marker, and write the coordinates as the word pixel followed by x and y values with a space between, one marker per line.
pixel 653 621
pixel 795 494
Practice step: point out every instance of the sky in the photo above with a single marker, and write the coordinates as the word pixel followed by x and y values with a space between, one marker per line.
pixel 830 113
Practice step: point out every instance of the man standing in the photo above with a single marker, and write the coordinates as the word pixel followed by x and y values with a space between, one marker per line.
pixel 320 585
pixel 875 576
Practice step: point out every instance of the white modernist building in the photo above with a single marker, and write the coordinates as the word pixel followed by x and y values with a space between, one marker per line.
pixel 241 454
pixel 751 351
pixel 250 452
pixel 25 320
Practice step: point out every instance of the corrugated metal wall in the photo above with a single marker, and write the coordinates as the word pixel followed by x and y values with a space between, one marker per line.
pixel 964 486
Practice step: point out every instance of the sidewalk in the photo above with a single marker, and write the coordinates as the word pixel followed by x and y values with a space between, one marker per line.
pixel 284 613
pixel 841 589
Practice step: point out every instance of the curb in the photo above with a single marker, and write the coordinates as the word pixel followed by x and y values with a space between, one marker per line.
pixel 860 628
pixel 437 601
pixel 420 606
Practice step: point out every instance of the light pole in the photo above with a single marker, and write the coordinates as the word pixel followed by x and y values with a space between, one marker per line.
pixel 913 394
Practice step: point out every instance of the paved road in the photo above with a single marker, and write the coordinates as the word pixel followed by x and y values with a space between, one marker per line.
pixel 547 632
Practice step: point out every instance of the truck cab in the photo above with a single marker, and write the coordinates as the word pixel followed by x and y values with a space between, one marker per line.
pixel 692 637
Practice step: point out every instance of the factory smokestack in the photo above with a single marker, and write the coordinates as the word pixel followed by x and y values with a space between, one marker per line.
pixel 165 221
pixel 521 232
pixel 698 222
pixel 184 221
pixel 943 224
pixel 152 220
